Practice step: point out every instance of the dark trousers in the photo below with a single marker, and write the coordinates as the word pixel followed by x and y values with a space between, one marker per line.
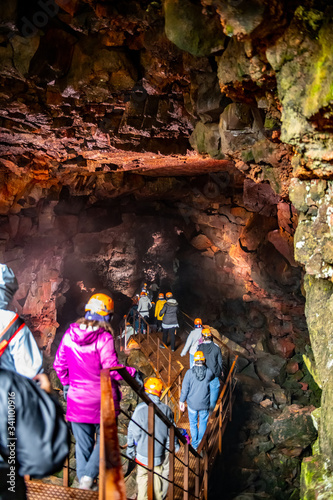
pixel 172 332
pixel 159 325
pixel 86 449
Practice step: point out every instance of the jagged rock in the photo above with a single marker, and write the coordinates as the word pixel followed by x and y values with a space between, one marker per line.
pixel 206 139
pixel 191 30
pixel 294 428
pixel 269 367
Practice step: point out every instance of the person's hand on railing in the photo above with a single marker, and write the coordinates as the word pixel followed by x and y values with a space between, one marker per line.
pixel 138 377
pixel 130 452
pixel 181 406
pixel 43 381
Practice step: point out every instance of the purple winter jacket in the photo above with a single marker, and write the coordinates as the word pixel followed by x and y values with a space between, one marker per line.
pixel 81 355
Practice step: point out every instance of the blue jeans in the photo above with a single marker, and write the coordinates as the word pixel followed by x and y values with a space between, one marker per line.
pixel 87 453
pixel 214 386
pixel 196 435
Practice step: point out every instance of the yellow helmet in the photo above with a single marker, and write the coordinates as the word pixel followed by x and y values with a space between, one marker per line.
pixel 206 332
pixel 100 304
pixel 153 386
pixel 199 356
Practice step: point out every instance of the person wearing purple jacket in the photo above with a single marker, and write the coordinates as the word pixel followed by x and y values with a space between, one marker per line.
pixel 86 348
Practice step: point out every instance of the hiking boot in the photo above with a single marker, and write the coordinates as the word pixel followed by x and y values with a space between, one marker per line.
pixel 162 346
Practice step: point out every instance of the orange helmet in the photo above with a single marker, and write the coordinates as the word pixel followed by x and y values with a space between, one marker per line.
pixel 198 323
pixel 161 295
pixel 101 304
pixel 153 386
pixel 199 356
pixel 143 293
pixel 206 333
pixel 168 295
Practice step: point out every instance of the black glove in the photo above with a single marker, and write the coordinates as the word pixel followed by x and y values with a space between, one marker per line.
pixel 138 377
pixel 65 390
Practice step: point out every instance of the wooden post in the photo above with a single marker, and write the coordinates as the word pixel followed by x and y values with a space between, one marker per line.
pixel 186 471
pixel 197 477
pixel 169 370
pixel 158 356
pixel 230 400
pixel 151 436
pixel 65 473
pixel 205 471
pixel 111 477
pixel 171 463
pixel 220 426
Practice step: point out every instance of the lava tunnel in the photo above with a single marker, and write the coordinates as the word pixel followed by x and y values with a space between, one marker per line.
pixel 187 144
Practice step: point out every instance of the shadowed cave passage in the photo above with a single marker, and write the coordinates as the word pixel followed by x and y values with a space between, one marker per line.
pixel 223 261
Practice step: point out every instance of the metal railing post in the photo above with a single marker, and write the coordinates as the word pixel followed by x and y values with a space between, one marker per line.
pixel 186 471
pixel 171 463
pixel 205 465
pixel 158 356
pixel 111 477
pixel 151 437
pixel 65 473
pixel 220 426
pixel 197 477
pixel 169 369
pixel 148 331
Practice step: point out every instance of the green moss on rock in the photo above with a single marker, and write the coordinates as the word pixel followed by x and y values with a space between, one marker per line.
pixel 191 30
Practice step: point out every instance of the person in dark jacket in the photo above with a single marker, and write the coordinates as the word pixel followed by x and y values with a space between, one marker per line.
pixel 196 392
pixel 85 349
pixel 34 437
pixel 213 357
pixel 170 320
pixel 137 442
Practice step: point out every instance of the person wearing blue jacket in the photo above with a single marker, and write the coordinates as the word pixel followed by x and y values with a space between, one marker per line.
pixel 19 351
pixel 196 392
pixel 137 443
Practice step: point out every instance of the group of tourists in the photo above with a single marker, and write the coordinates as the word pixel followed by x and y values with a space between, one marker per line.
pixel 163 315
pixel 85 349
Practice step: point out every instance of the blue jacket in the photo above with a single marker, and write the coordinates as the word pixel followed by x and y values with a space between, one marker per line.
pixel 138 438
pixel 195 388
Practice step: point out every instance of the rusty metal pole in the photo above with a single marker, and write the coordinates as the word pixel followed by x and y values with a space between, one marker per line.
pixel 205 471
pixel 151 437
pixel 230 400
pixel 220 426
pixel 171 463
pixel 197 477
pixel 65 473
pixel 169 369
pixel 111 476
pixel 158 356
pixel 186 471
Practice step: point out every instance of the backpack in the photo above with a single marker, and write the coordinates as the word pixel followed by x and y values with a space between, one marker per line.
pixel 13 327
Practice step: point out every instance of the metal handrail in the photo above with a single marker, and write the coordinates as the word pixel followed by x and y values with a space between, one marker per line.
pixel 195 478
